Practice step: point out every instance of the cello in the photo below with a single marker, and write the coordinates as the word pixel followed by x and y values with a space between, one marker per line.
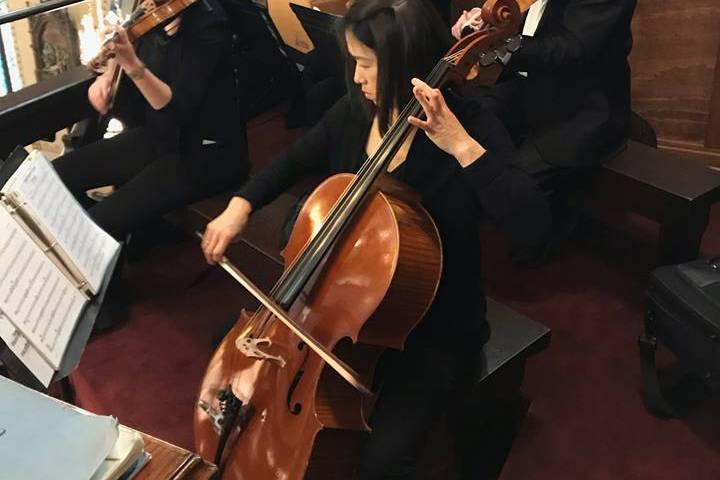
pixel 363 264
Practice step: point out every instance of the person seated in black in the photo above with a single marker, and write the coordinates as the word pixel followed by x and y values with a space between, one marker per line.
pixel 456 160
pixel 191 140
pixel 566 92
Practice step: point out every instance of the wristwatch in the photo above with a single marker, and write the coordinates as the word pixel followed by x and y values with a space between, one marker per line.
pixel 138 73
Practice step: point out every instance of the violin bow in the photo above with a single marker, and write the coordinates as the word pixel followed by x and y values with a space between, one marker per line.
pixel 137 10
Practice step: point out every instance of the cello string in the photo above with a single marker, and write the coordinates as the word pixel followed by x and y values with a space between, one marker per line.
pixel 397 131
pixel 396 134
pixel 364 176
pixel 262 319
pixel 379 157
pixel 302 259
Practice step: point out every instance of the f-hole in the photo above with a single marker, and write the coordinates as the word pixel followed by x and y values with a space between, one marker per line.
pixel 296 408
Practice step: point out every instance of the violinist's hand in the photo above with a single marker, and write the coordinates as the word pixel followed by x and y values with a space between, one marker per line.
pixel 442 126
pixel 99 94
pixel 224 229
pixel 122 50
pixel 472 19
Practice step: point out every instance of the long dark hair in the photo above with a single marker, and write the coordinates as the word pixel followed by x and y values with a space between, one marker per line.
pixel 408 37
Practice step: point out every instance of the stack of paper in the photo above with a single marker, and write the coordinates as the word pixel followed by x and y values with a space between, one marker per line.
pixel 125 459
pixel 42 438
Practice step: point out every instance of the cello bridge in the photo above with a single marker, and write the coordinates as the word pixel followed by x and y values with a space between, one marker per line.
pixel 250 347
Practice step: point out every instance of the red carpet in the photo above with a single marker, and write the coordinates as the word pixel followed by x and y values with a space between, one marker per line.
pixel 586 420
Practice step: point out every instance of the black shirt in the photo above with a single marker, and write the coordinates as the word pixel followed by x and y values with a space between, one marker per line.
pixel 454 197
pixel 195 64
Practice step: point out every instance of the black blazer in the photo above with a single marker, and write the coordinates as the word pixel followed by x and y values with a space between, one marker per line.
pixel 576 98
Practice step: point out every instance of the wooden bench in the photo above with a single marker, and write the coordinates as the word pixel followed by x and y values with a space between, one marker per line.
pixel 673 191
pixel 514 337
pixel 496 407
pixel 171 462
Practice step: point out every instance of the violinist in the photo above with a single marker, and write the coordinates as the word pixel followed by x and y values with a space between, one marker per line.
pixel 566 93
pixel 190 142
pixel 455 159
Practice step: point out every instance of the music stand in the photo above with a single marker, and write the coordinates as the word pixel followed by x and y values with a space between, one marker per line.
pixel 321 28
pixel 319 25
pixel 326 60
pixel 71 358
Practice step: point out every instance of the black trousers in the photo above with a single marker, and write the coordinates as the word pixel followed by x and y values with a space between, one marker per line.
pixel 418 386
pixel 506 101
pixel 151 182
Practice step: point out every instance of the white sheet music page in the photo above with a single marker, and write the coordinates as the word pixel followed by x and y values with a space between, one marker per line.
pixel 50 203
pixel 24 350
pixel 34 294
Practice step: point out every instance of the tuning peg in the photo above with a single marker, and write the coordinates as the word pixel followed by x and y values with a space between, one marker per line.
pixel 513 44
pixel 487 58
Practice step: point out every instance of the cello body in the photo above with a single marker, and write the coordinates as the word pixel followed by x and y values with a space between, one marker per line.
pixel 375 287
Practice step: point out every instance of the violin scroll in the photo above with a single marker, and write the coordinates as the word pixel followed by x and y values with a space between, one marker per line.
pixel 485 47
pixel 502 13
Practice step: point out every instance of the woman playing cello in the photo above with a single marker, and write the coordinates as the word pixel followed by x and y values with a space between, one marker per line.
pixel 455 160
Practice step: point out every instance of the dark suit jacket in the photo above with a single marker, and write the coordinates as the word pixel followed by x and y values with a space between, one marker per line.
pixel 576 99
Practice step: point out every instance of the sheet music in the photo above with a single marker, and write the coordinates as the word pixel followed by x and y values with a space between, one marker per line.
pixel 34 295
pixel 50 203
pixel 24 350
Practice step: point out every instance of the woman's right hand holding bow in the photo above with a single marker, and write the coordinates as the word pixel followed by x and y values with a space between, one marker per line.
pixel 225 229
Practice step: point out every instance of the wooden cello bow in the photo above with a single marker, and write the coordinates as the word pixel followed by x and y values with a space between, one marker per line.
pixel 362 266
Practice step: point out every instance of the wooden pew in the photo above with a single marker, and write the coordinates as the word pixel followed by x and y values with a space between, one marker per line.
pixel 661 186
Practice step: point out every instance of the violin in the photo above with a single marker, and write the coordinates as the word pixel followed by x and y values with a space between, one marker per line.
pixel 287 389
pixel 148 15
